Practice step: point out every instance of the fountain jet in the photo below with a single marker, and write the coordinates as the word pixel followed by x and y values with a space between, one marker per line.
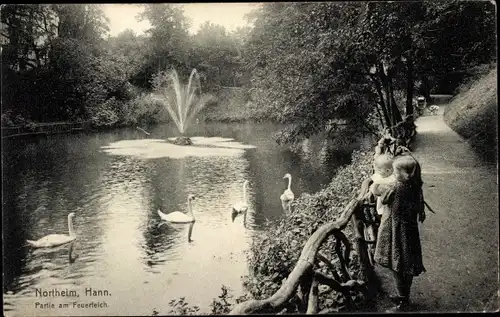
pixel 183 102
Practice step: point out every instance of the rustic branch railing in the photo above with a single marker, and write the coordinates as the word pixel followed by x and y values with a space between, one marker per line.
pixel 304 278
pixel 306 261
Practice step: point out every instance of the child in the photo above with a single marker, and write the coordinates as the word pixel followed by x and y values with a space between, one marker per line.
pixel 398 246
pixel 382 179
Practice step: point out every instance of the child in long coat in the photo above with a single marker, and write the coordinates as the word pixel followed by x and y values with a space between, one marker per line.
pixel 398 242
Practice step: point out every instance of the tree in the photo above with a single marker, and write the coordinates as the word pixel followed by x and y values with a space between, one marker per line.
pixel 167 40
pixel 318 63
pixel 300 71
pixel 455 36
pixel 130 51
pixel 55 65
pixel 215 54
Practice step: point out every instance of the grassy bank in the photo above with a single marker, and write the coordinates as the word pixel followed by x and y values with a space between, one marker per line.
pixel 473 114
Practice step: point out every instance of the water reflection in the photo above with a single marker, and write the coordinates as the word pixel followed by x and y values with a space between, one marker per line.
pixel 120 245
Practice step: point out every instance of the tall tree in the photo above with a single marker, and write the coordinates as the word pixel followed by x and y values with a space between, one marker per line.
pixel 216 55
pixel 168 39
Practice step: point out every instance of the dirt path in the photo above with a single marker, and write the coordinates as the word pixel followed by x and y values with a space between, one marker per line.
pixel 460 241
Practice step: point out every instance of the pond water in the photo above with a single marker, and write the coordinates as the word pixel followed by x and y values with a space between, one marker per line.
pixel 115 182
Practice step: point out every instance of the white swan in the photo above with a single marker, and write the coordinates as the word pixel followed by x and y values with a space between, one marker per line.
pixel 180 217
pixel 287 197
pixel 54 240
pixel 242 206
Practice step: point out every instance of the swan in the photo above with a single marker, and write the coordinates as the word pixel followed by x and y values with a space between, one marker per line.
pixel 180 217
pixel 54 240
pixel 242 206
pixel 287 197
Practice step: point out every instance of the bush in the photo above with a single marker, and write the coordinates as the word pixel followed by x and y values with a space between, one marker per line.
pixel 219 306
pixel 143 110
pixel 105 115
pixel 181 307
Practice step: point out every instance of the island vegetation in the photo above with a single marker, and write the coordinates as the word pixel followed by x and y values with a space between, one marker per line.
pixel 315 67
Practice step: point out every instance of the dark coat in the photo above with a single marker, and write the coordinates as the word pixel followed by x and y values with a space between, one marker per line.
pixel 398 241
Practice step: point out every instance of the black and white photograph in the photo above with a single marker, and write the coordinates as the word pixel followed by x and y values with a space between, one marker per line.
pixel 237 158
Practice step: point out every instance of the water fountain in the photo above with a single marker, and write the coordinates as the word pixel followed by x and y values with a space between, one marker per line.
pixel 183 102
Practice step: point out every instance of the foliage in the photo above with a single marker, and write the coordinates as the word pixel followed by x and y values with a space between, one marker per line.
pixel 315 62
pixel 232 105
pixel 304 64
pixel 54 66
pixel 58 62
pixel 181 307
pixel 216 55
pixel 220 306
pixel 458 34
pixel 129 51
pixel 105 114
pixel 166 43
pixel 143 110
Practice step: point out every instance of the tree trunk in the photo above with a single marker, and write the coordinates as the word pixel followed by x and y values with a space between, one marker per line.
pixel 425 88
pixel 395 110
pixel 409 86
pixel 378 87
pixel 384 78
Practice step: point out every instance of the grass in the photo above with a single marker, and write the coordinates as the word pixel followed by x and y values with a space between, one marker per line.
pixel 473 114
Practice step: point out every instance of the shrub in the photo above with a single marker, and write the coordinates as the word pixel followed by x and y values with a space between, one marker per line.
pixel 105 115
pixel 143 110
pixel 219 306
pixel 181 307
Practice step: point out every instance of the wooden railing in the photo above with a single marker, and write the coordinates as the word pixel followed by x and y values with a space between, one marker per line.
pixel 305 278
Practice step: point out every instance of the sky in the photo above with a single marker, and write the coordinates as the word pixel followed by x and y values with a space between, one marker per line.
pixel 230 15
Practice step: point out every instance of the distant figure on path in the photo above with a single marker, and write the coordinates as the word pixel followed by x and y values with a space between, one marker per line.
pixel 398 246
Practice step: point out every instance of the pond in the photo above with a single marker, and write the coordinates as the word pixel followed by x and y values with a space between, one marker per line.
pixel 115 182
